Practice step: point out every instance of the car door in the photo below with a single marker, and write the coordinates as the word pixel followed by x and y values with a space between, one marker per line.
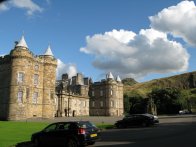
pixel 128 121
pixel 63 133
pixel 49 136
pixel 133 120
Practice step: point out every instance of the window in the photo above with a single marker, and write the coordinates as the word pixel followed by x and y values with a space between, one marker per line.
pixel 35 97
pixel 19 96
pixel 93 103
pixel 36 67
pixel 20 77
pixel 101 93
pixel 84 103
pixel 112 103
pixel 50 128
pixel 111 92
pixel 36 77
pixel 101 103
pixel 93 93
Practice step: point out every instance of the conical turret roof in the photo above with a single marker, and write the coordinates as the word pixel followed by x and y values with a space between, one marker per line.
pixel 110 76
pixel 48 51
pixel 118 79
pixel 22 42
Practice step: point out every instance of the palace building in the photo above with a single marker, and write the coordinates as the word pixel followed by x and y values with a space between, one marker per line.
pixel 29 89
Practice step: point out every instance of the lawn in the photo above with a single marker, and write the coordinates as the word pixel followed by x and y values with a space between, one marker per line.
pixel 12 132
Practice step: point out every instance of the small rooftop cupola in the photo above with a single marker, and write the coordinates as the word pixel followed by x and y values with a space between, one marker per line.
pixel 109 76
pixel 22 42
pixel 118 79
pixel 48 52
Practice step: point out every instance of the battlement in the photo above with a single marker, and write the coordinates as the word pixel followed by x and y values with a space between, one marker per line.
pixel 5 59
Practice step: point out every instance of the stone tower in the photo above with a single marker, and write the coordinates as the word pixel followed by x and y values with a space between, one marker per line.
pixel 27 83
pixel 49 80
pixel 106 97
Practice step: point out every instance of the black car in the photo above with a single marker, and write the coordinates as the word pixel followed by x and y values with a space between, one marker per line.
pixel 137 120
pixel 70 134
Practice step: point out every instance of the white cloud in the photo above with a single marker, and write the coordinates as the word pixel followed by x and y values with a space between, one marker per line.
pixel 179 20
pixel 147 52
pixel 29 5
pixel 65 68
pixel 113 43
pixel 3 7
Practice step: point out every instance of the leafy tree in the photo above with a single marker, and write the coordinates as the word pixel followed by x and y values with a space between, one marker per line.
pixel 135 104
pixel 167 100
pixel 126 103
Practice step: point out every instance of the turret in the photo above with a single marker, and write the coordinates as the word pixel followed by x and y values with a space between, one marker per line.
pixel 21 58
pixel 49 79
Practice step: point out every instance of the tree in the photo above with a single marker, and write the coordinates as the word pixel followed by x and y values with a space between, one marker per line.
pixel 167 100
pixel 126 103
pixel 135 104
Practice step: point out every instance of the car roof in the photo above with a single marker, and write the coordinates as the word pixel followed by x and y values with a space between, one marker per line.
pixel 145 114
pixel 71 122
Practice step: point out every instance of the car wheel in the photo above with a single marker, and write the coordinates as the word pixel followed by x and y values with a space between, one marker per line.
pixel 120 126
pixel 91 143
pixel 72 143
pixel 36 142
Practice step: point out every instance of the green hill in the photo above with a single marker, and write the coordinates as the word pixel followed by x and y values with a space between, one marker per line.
pixel 186 81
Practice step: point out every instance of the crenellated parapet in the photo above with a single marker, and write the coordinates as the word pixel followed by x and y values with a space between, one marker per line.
pixel 48 60
pixel 5 59
pixel 19 52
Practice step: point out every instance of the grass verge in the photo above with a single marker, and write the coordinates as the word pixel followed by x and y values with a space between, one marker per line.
pixel 12 132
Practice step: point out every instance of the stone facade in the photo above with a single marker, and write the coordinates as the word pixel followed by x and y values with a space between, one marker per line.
pixel 72 96
pixel 27 84
pixel 79 96
pixel 107 97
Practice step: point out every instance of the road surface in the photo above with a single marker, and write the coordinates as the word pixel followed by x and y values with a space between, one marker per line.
pixel 171 132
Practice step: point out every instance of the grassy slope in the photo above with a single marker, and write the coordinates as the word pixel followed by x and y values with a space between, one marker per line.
pixel 178 81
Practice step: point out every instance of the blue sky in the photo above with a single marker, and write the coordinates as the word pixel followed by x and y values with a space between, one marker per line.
pixel 143 39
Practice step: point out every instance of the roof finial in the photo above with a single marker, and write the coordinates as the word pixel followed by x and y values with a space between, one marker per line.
pixel 48 51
